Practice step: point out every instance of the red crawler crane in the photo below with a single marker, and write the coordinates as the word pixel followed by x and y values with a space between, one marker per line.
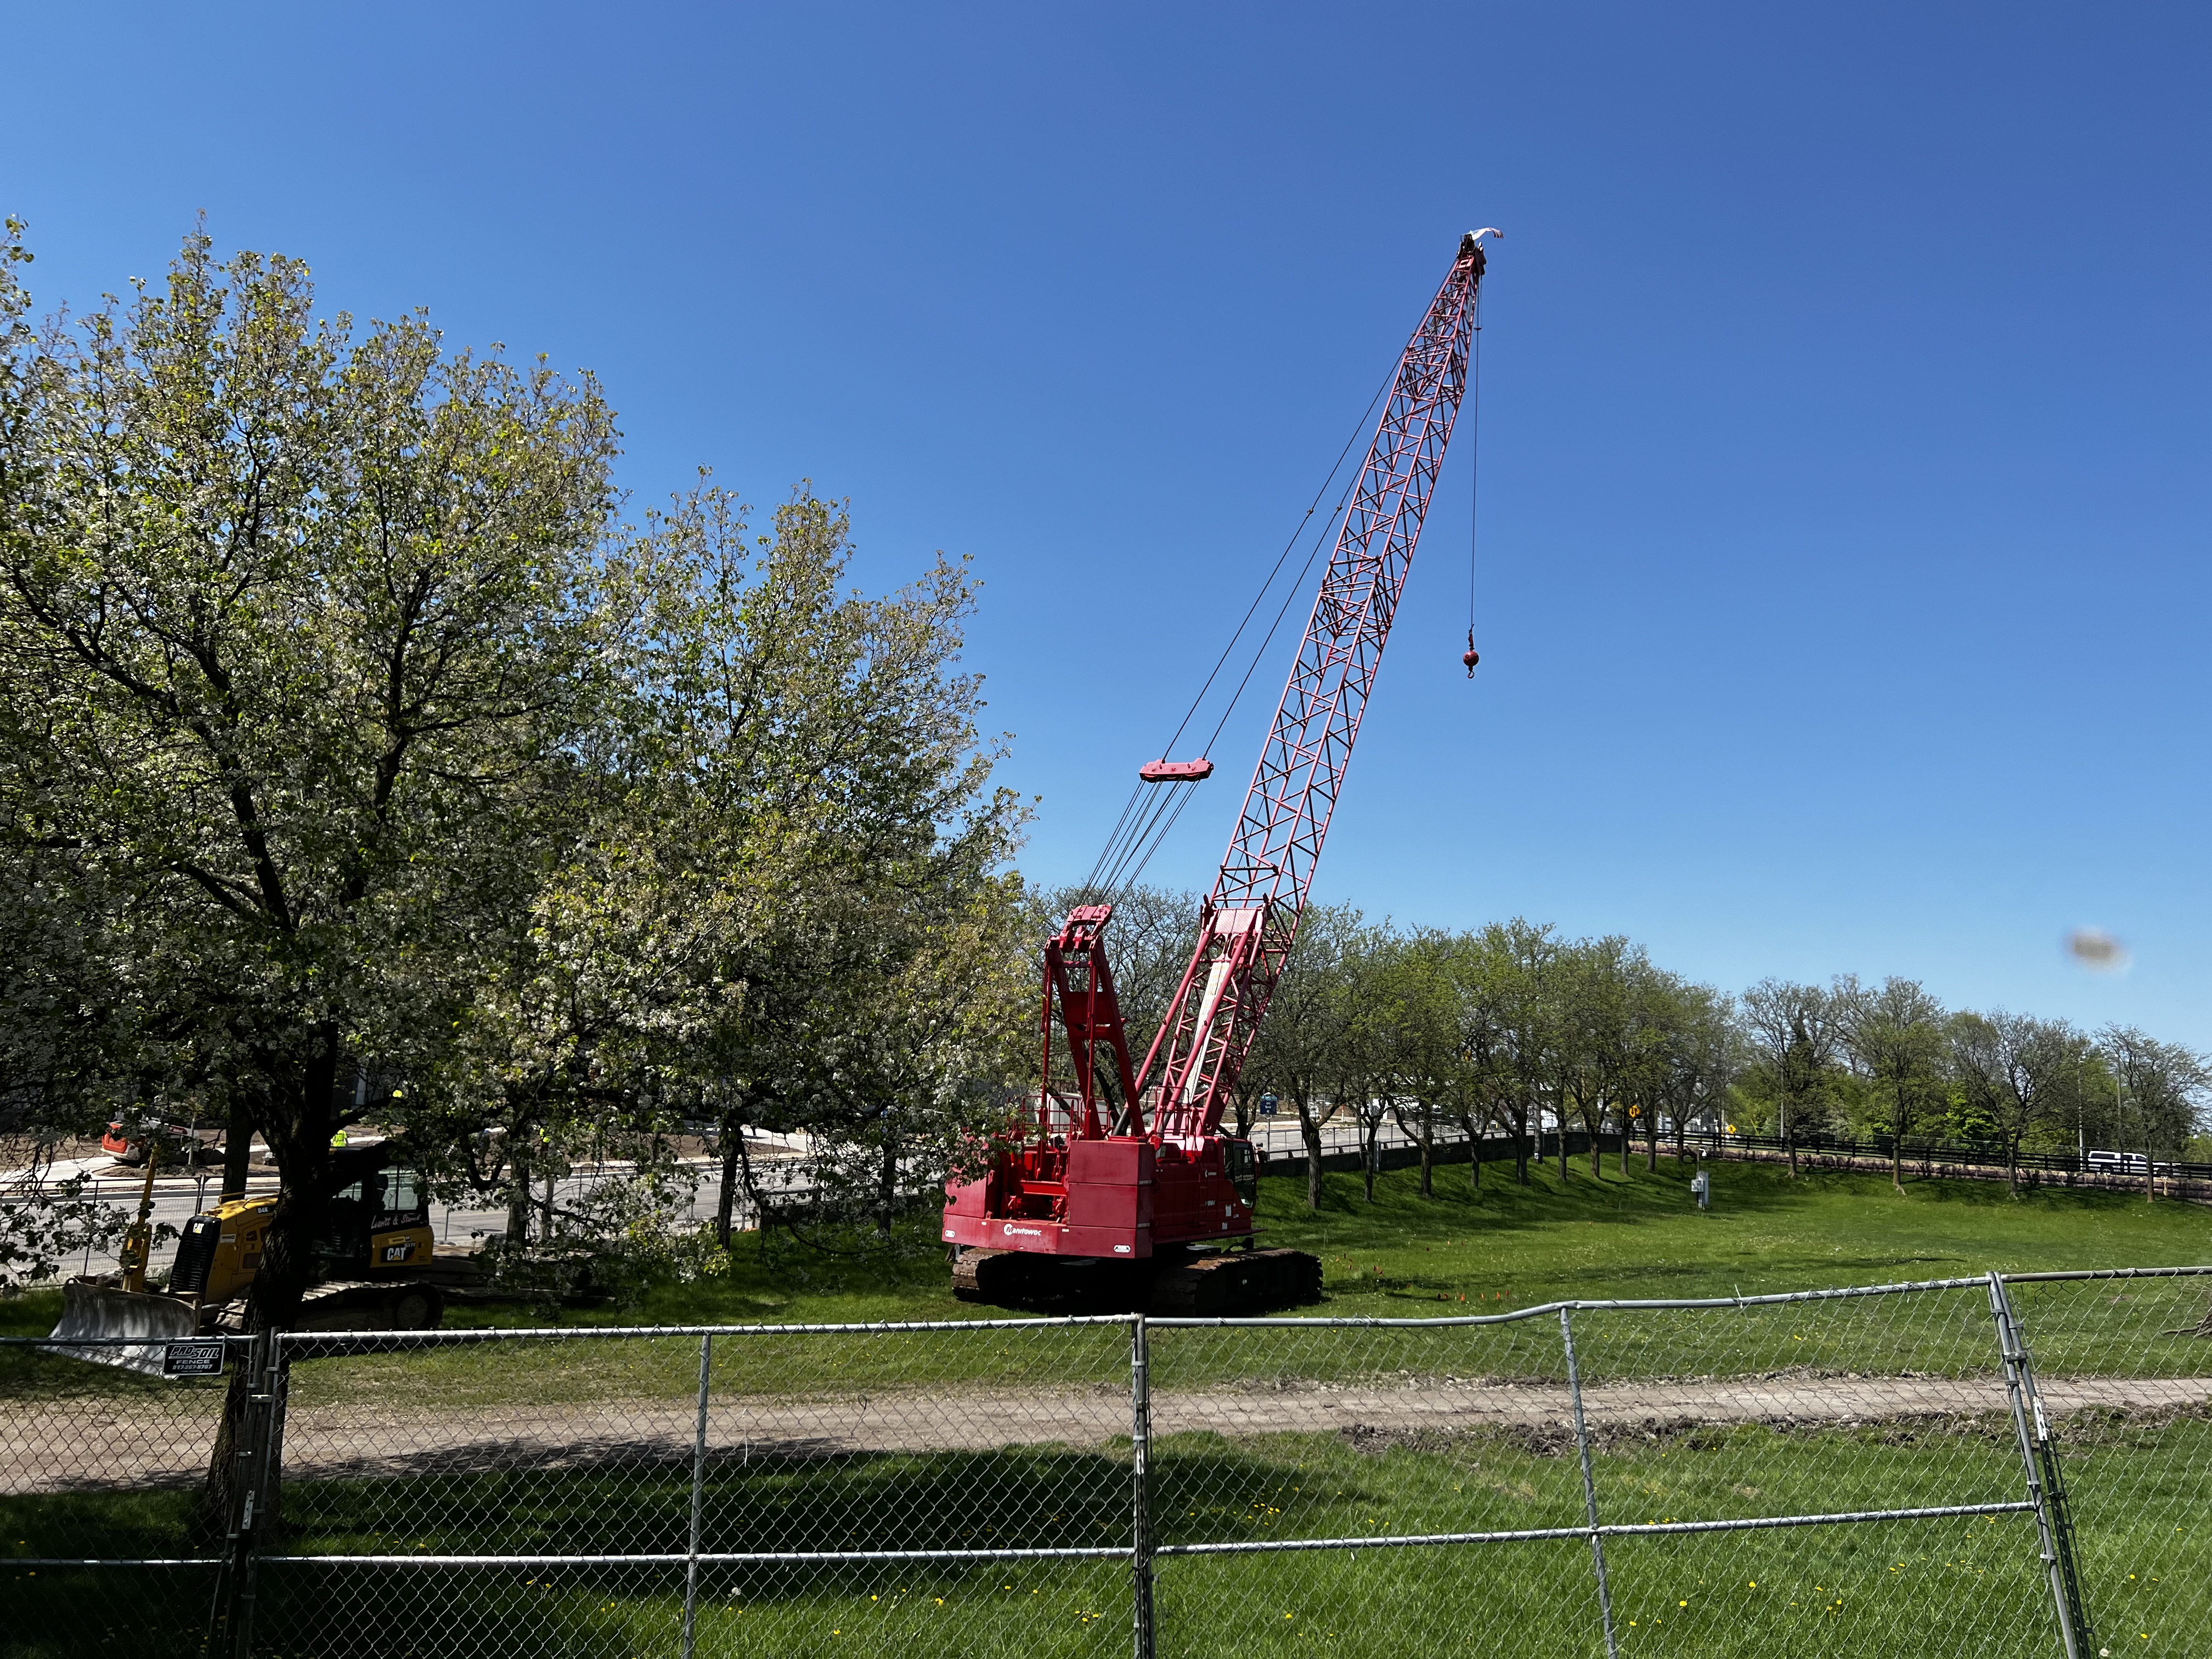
pixel 1131 1165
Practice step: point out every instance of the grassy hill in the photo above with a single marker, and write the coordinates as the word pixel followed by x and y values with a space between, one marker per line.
pixel 1642 1237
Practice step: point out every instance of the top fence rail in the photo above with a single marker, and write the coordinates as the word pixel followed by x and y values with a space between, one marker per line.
pixel 394 1339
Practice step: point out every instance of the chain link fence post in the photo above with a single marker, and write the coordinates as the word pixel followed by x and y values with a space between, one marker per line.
pixel 257 1444
pixel 698 1498
pixel 1140 1449
pixel 1589 1486
pixel 223 1608
pixel 2039 1458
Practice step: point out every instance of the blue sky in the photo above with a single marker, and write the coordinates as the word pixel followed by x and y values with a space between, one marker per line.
pixel 1845 398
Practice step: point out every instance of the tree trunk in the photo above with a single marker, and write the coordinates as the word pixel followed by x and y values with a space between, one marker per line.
pixel 299 1131
pixel 1521 1146
pixel 237 1151
pixel 752 1193
pixel 299 1125
pixel 238 1452
pixel 1371 1132
pixel 1650 1142
pixel 886 1187
pixel 219 1491
pixel 1428 1150
pixel 1897 1146
pixel 2150 1166
pixel 518 1194
pixel 733 1137
pixel 1309 1133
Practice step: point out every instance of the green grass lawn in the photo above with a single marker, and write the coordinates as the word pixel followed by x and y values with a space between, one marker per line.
pixel 1508 1246
pixel 1461 1250
pixel 1500 1248
pixel 1964 1586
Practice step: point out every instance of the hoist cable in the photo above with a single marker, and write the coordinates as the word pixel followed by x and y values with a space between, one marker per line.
pixel 1136 869
pixel 1283 610
pixel 1113 839
pixel 1474 460
pixel 1142 827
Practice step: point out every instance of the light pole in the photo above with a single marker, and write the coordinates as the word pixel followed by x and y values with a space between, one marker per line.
pixel 2119 1128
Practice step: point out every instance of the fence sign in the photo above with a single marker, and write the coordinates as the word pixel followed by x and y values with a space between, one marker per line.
pixel 193 1359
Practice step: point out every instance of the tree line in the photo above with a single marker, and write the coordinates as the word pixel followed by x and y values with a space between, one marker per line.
pixel 1510 1028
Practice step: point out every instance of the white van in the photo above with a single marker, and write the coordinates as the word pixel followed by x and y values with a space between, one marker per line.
pixel 2133 1163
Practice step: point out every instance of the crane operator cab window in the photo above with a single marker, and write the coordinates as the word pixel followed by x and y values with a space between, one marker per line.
pixel 1244 1169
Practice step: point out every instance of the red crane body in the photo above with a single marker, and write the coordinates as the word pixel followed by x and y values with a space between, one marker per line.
pixel 1131 1161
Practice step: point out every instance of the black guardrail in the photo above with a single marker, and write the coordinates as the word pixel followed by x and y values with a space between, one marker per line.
pixel 1954 1152
pixel 1398 1151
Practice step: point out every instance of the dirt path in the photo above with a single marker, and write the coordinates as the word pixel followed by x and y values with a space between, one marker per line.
pixel 50 1446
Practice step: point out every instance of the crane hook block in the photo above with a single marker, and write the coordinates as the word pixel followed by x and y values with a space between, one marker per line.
pixel 1471 656
pixel 1168 771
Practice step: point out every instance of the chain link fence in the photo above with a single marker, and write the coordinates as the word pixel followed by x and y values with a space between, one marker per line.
pixel 1980 1466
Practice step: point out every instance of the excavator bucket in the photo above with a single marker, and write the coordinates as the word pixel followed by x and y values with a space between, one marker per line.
pixel 130 1327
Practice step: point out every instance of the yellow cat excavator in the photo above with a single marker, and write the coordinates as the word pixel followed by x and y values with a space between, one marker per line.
pixel 378 1267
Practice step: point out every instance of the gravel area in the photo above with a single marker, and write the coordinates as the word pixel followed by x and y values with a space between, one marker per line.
pixel 64 1445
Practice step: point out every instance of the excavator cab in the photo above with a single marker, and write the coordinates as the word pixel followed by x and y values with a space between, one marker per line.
pixel 379 1221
